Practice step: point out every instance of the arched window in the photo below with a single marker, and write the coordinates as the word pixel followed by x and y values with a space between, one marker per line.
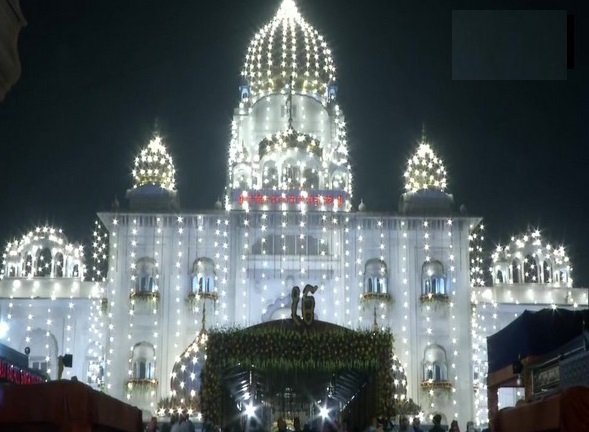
pixel 270 176
pixel 43 354
pixel 291 175
pixel 564 275
pixel 515 271
pixel 339 181
pixel 530 269
pixel 375 276
pixel 435 363
pixel 203 276
pixel 146 275
pixel 433 278
pixel 547 271
pixel 499 277
pixel 94 367
pixel 12 270
pixel 76 270
pixel 310 179
pixel 28 265
pixel 240 180
pixel 44 263
pixel 143 361
pixel 58 264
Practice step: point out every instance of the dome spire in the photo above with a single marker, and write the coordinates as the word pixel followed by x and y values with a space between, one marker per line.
pixel 423 134
pixel 288 9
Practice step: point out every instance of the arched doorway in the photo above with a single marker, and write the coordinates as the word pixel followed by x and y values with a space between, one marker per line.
pixel 284 369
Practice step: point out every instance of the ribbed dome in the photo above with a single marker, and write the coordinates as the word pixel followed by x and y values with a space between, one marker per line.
pixel 288 48
pixel 154 166
pixel 425 171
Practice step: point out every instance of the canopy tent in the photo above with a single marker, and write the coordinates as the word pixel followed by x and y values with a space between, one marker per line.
pixel 281 365
pixel 534 334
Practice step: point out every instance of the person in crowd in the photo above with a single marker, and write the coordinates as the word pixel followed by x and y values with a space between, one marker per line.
pixel 379 427
pixel 404 424
pixel 297 424
pixel 416 425
pixel 185 423
pixel 454 426
pixel 469 426
pixel 281 425
pixel 372 426
pixel 175 422
pixel 152 425
pixel 437 424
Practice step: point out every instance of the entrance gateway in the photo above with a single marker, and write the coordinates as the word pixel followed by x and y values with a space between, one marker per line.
pixel 298 367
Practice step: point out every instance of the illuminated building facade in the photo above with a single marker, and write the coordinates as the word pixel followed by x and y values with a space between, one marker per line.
pixel 286 220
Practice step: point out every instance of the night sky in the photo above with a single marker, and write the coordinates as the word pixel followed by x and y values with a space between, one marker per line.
pixel 97 74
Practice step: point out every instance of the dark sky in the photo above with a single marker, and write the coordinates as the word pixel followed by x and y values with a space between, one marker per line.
pixel 96 74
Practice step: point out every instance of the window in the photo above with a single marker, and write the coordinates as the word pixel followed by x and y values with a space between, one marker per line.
pixel 146 275
pixel 547 271
pixel 44 261
pixel 94 372
pixel 375 276
pixel 39 364
pixel 28 265
pixel 43 354
pixel 203 276
pixel 433 278
pixel 499 277
pixel 338 181
pixel 435 363
pixel 310 179
pixel 270 176
pixel 291 175
pixel 143 361
pixel 58 263
pixel 530 269
pixel 515 271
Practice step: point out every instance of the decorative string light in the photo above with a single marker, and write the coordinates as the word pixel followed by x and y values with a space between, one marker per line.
pixel 111 304
pixel 454 334
pixel 288 50
pixel 359 268
pixel 405 299
pixel 133 282
pixel 425 171
pixel 154 166
pixel 178 288
pixel 348 268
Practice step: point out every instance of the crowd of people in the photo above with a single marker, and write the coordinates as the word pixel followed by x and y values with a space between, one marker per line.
pixel 181 423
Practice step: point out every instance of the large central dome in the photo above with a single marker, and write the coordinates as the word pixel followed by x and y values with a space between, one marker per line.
pixel 288 49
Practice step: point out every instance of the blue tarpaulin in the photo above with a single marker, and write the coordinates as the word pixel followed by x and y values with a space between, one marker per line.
pixel 534 334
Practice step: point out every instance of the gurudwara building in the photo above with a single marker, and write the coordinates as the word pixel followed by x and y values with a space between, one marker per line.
pixel 128 305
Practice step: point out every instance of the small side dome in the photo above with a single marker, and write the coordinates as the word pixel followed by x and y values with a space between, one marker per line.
pixel 154 183
pixel 425 184
pixel 154 166
pixel 425 171
pixel 362 206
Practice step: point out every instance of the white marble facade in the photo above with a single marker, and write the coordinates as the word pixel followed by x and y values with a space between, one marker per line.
pixel 286 220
